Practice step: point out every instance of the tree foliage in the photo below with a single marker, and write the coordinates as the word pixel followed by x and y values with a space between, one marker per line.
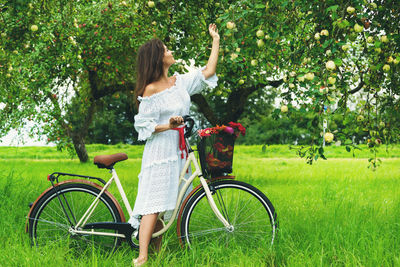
pixel 321 55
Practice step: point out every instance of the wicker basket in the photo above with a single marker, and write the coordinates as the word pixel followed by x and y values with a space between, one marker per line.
pixel 216 154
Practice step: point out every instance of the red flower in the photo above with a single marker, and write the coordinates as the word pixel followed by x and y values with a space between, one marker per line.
pixel 218 146
pixel 211 161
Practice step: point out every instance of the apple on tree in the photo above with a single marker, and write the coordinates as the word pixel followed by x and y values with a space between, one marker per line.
pixel 309 76
pixel 151 4
pixel 330 65
pixel 230 25
pixel 254 62
pixel 386 68
pixel 384 39
pixel 328 137
pixel 260 33
pixel 325 33
pixel 350 10
pixel 284 109
pixel 358 28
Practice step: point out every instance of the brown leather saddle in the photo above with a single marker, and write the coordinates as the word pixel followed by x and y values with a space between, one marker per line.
pixel 108 161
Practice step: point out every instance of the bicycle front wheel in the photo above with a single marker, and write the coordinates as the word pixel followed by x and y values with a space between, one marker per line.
pixel 249 212
pixel 59 210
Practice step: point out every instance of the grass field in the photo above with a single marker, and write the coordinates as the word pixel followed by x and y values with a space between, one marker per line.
pixel 333 213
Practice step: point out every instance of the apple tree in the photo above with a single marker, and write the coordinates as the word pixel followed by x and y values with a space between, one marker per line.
pixel 328 57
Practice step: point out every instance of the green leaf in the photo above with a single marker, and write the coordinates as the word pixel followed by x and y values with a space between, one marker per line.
pixel 348 149
pixel 260 6
pixel 338 61
pixel 332 8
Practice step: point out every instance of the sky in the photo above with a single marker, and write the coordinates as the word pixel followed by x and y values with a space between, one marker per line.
pixel 13 139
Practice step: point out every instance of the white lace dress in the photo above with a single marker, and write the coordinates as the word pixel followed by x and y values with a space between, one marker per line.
pixel 161 162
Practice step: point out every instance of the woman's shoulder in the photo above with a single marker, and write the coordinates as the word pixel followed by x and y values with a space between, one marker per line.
pixel 149 90
pixel 153 90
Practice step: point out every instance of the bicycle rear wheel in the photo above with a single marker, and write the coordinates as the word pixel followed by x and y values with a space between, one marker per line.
pixel 49 222
pixel 245 207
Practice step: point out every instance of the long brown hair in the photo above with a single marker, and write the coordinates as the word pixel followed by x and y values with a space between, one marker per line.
pixel 149 66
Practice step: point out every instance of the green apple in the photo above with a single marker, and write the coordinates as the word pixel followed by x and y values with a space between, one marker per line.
pixel 324 32
pixel 370 39
pixel 267 37
pixel 330 65
pixel 395 61
pixel 230 25
pixel 317 36
pixel 8 75
pixel 291 85
pixel 284 109
pixel 358 28
pixel 309 76
pixel 34 28
pixel 151 4
pixel 260 43
pixel 237 50
pixel 378 50
pixel 301 78
pixel 350 10
pixel 384 39
pixel 331 80
pixel 241 81
pixel 260 33
pixel 345 47
pixel 234 56
pixel 254 62
pixel 386 68
pixel 328 137
pixel 389 60
pixel 360 117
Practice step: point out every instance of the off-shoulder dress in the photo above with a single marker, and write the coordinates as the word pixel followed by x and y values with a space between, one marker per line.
pixel 162 160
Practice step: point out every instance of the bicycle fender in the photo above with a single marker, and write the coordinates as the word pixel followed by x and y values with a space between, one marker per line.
pixel 75 181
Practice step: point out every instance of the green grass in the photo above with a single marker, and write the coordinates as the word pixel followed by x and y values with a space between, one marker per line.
pixel 334 213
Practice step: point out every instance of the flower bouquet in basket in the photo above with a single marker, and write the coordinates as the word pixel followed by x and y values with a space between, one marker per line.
pixel 216 148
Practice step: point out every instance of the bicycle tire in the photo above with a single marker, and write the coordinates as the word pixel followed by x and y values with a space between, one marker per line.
pixel 250 212
pixel 48 223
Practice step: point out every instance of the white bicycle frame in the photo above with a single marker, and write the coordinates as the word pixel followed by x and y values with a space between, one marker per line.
pixel 187 182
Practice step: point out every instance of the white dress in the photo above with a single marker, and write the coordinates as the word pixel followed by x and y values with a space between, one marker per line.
pixel 161 162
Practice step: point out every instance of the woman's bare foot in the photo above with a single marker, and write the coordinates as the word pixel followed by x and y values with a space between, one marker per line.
pixel 139 261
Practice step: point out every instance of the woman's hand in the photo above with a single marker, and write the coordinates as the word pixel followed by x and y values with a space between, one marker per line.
pixel 175 122
pixel 212 28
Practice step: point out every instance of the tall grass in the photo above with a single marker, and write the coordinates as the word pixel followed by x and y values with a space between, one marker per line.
pixel 333 213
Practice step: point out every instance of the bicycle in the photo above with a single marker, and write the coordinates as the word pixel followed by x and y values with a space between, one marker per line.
pixel 85 213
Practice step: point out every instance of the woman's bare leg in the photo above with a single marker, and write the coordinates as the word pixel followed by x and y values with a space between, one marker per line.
pixel 157 241
pixel 146 230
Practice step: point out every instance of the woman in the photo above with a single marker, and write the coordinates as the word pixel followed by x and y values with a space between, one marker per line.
pixel 162 101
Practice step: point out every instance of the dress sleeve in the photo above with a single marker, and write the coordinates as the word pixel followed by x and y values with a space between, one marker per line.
pixel 146 119
pixel 195 82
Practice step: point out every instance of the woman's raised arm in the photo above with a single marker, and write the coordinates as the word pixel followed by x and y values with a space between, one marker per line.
pixel 213 60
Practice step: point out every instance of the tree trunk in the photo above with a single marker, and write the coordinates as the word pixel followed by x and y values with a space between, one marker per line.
pixel 80 148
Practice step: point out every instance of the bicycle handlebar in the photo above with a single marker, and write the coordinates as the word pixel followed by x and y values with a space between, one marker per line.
pixel 190 123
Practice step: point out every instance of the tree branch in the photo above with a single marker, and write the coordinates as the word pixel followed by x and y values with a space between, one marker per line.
pixel 238 99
